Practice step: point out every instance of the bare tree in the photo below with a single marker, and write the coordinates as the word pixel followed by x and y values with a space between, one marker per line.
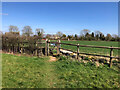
pixel 13 28
pixel 59 34
pixel 27 31
pixel 114 36
pixel 108 37
pixel 98 33
pixel 84 32
pixel 40 31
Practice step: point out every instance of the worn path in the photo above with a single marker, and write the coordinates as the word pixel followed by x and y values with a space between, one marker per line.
pixel 52 59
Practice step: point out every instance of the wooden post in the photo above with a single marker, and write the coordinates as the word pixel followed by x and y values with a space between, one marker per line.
pixel 77 51
pixel 58 47
pixel 36 49
pixel 46 47
pixel 111 54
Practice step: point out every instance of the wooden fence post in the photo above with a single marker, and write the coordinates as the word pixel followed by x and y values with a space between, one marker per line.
pixel 58 47
pixel 46 47
pixel 111 54
pixel 77 51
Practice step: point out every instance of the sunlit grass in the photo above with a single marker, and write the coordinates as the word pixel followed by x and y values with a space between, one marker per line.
pixel 33 72
pixel 98 51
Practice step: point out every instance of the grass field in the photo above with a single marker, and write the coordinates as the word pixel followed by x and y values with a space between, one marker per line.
pixel 33 72
pixel 98 51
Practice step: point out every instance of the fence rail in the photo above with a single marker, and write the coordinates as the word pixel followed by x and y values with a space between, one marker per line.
pixel 78 52
pixel 87 45
pixel 90 54
pixel 20 46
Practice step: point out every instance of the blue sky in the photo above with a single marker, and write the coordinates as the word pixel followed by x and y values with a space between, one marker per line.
pixel 67 17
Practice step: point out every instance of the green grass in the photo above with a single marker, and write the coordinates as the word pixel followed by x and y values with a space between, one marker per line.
pixel 98 51
pixel 26 72
pixel 75 75
pixel 33 72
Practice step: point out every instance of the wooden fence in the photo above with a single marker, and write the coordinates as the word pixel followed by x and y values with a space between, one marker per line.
pixel 78 51
pixel 37 49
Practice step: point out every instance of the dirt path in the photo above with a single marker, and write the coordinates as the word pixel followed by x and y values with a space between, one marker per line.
pixel 52 59
pixel 50 76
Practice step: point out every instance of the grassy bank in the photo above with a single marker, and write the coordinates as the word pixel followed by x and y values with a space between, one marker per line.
pixel 26 72
pixel 33 72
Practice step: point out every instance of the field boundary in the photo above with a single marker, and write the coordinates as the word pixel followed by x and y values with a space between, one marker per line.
pixel 44 48
pixel 78 52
